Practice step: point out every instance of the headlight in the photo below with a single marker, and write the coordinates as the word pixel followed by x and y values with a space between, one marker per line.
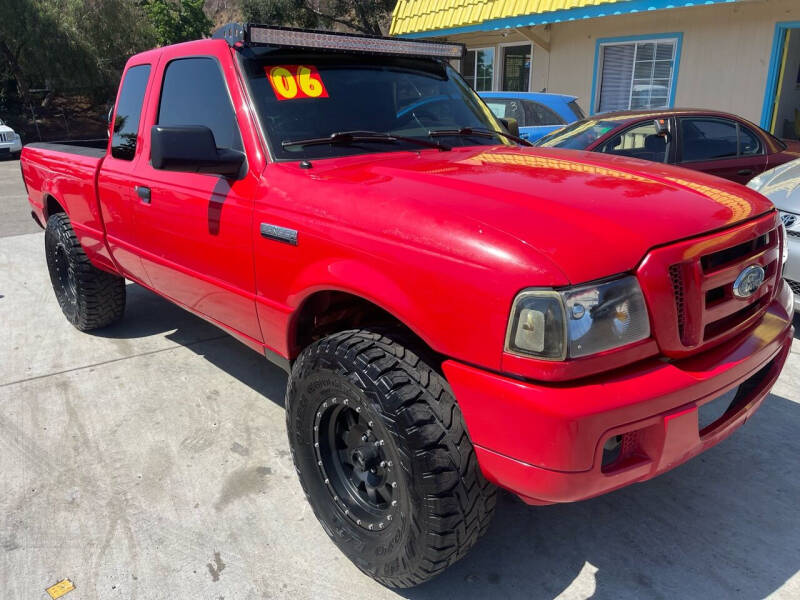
pixel 578 321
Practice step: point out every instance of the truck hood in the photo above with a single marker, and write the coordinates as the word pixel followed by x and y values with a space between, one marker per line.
pixel 590 215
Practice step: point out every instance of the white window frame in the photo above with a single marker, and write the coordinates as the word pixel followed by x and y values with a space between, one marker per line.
pixel 675 40
pixel 497 84
pixel 494 66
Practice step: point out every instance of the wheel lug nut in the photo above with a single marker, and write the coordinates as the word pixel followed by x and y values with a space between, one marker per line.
pixel 383 464
pixel 370 423
pixel 327 482
pixel 388 517
pixel 370 526
pixel 394 484
pixel 316 444
pixel 364 437
pixel 394 503
pixel 319 462
pixel 358 521
pixel 358 409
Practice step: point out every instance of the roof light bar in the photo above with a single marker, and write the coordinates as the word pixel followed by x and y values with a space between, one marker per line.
pixel 342 42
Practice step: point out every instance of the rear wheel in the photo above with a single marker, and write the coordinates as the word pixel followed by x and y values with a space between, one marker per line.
pixel 384 458
pixel 89 297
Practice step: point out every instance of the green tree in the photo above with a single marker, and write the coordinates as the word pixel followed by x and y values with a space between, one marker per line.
pixel 364 16
pixel 178 21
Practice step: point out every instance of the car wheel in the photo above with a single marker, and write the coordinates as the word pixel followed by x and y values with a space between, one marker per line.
pixel 89 297
pixel 384 458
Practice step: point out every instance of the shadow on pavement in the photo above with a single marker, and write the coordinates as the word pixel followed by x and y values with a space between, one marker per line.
pixel 723 525
pixel 147 313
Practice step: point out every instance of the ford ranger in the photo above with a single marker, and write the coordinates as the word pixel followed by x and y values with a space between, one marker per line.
pixel 457 311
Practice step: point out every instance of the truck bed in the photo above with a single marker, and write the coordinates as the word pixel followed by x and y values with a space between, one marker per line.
pixel 63 176
pixel 95 148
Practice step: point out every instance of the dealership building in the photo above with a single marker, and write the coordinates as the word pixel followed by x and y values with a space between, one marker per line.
pixel 740 56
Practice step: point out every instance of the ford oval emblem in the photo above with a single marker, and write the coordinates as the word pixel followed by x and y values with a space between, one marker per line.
pixel 748 281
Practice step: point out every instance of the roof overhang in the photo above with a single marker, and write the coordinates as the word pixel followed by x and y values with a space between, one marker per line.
pixel 434 18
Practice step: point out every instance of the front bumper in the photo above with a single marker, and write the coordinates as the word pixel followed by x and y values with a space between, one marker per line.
pixel 545 442
pixel 7 148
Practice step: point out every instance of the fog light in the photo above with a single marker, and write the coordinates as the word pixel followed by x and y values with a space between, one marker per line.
pixel 612 449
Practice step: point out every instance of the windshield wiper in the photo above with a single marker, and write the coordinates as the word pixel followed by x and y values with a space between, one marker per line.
pixel 470 132
pixel 352 137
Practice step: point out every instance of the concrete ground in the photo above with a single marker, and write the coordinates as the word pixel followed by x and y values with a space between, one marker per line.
pixel 150 461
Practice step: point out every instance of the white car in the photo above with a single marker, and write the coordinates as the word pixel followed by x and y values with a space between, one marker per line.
pixel 10 142
pixel 782 186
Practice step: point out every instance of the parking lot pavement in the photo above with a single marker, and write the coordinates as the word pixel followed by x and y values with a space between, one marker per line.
pixel 150 461
pixel 15 216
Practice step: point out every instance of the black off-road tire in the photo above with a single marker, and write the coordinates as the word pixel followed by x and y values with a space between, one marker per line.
pixel 89 297
pixel 443 504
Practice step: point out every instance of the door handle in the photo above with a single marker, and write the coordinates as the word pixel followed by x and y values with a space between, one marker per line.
pixel 143 193
pixel 744 172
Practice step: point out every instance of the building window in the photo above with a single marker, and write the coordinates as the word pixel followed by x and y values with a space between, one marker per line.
pixel 516 68
pixel 478 68
pixel 636 74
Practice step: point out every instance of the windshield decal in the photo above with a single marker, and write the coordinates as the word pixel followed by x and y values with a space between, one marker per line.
pixel 290 82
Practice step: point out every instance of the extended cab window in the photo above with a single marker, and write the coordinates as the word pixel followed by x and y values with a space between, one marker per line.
pixel 303 95
pixel 194 93
pixel 129 111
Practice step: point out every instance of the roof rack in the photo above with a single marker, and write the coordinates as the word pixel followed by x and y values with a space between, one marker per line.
pixel 252 34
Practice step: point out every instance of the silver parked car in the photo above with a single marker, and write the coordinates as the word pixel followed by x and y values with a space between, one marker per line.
pixel 10 142
pixel 782 186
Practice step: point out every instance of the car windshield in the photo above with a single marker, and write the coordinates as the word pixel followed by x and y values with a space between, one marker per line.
pixel 304 96
pixel 577 136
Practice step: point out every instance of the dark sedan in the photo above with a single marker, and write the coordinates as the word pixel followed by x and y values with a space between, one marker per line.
pixel 714 142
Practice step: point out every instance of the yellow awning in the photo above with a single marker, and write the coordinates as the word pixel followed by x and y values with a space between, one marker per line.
pixel 416 18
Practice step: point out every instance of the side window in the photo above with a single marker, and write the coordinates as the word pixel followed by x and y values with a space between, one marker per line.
pixel 640 141
pixel 749 143
pixel 504 108
pixel 539 114
pixel 194 93
pixel 708 139
pixel 129 111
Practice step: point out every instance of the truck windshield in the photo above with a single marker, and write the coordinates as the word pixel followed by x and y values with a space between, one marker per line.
pixel 578 135
pixel 302 95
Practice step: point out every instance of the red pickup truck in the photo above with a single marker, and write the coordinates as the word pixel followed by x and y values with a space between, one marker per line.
pixel 457 311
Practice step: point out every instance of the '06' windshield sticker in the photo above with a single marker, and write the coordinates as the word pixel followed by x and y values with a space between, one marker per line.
pixel 290 82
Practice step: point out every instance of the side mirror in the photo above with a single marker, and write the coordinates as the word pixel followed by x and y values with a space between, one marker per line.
pixel 192 149
pixel 662 128
pixel 511 125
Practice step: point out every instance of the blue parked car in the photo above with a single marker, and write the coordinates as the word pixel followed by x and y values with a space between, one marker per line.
pixel 537 113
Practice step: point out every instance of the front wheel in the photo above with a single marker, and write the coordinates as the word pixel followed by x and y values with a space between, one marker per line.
pixel 89 297
pixel 384 458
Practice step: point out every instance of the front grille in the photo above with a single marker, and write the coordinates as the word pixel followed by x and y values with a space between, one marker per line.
pixel 689 285
pixel 3 137
pixel 793 233
pixel 677 289
pixel 795 285
pixel 716 260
